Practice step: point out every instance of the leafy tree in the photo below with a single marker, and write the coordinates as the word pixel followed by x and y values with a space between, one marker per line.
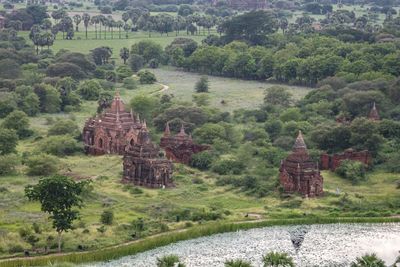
pixel 42 164
pixel 279 96
pixel 169 261
pixel 364 135
pixel 136 62
pixel 368 260
pixel 237 263
pixel 19 122
pixel 86 22
pixel 65 69
pixel 202 160
pixel 276 259
pixel 58 196
pixel 144 105
pixel 202 85
pixel 146 77
pixel 77 19
pixel 8 164
pixel 124 54
pixel 107 217
pixel 90 90
pixel 38 13
pixel 63 127
pixel 8 141
pixel 147 49
pixel 101 55
pixel 9 68
pixel 352 170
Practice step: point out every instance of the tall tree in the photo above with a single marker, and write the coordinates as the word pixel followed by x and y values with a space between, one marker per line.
pixel 58 196
pixel 77 19
pixel 124 54
pixel 86 22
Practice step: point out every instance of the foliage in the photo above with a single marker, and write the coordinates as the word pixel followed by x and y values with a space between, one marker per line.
pixel 8 141
pixel 277 95
pixel 58 195
pixel 8 164
pixel 169 261
pixel 107 217
pixel 368 260
pixel 64 127
pixel 228 166
pixel 202 160
pixel 146 77
pixel 144 105
pixel 60 145
pixel 237 263
pixel 90 89
pixel 19 122
pixel 352 170
pixel 276 259
pixel 42 164
pixel 201 85
pixel 136 62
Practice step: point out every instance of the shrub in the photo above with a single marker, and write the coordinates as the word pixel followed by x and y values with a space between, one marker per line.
pixel 147 77
pixel 90 90
pixel 153 63
pixel 107 217
pixel 352 170
pixel 42 164
pixel 202 85
pixel 228 166
pixel 202 160
pixel 8 164
pixel 136 62
pixel 237 263
pixel 8 141
pixel 15 248
pixel 18 121
pixel 63 127
pixel 130 83
pixel 123 72
pixel 60 145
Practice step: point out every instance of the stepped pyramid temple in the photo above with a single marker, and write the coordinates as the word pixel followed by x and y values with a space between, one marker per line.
pixel 180 147
pixel 373 114
pixel 111 131
pixel 143 164
pixel 299 174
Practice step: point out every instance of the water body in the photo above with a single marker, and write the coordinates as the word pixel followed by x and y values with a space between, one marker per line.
pixel 314 245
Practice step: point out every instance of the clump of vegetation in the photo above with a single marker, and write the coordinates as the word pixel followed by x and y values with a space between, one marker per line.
pixel 169 261
pixel 352 170
pixel 107 217
pixel 42 164
pixel 201 85
pixel 274 259
pixel 8 164
pixel 237 263
pixel 146 77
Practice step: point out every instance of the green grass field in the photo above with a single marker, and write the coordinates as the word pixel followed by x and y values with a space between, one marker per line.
pixel 236 93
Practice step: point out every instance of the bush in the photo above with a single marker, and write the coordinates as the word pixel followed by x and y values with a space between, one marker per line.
pixel 123 72
pixel 228 166
pixel 63 127
pixel 202 85
pixel 8 164
pixel 136 62
pixel 42 164
pixel 8 141
pixel 107 217
pixel 130 83
pixel 18 121
pixel 352 170
pixel 90 90
pixel 147 77
pixel 60 145
pixel 202 160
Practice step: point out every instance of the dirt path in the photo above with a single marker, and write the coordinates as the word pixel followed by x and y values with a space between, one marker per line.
pixel 163 89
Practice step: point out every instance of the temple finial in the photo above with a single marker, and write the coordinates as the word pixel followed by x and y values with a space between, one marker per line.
pixel 299 143
pixel 137 118
pixel 132 115
pixel 144 124
pixel 167 131
pixel 117 95
pixel 182 129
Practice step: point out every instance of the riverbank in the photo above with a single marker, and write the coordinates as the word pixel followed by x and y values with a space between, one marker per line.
pixel 167 238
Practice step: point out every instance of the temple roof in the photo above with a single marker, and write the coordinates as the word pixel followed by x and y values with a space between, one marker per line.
pixel 373 114
pixel 117 106
pixel 182 132
pixel 299 143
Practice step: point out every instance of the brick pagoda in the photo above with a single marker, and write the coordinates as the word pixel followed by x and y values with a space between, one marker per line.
pixel 373 114
pixel 331 162
pixel 111 131
pixel 180 147
pixel 143 164
pixel 299 174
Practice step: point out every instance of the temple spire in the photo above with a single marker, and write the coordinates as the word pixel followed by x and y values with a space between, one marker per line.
pixel 373 114
pixel 182 132
pixel 137 118
pixel 167 132
pixel 299 143
pixel 144 125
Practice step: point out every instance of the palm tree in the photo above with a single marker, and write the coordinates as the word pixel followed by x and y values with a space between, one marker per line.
pixel 101 22
pixel 169 261
pixel 86 21
pixel 237 263
pixel 276 259
pixel 368 260
pixel 77 19
pixel 95 20
pixel 119 24
pixel 124 54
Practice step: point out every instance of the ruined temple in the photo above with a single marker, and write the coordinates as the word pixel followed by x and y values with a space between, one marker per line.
pixel 111 131
pixel 144 165
pixel 331 162
pixel 299 174
pixel 373 114
pixel 180 147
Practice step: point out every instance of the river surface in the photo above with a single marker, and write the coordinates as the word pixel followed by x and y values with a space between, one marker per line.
pixel 314 245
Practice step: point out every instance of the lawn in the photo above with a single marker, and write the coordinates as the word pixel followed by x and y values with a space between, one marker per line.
pixel 235 93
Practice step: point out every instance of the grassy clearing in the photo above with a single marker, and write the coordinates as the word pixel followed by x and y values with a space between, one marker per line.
pixel 165 239
pixel 236 93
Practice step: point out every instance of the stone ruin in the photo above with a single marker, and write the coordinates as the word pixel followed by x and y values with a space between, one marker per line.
pixel 180 147
pixel 332 162
pixel 299 174
pixel 143 164
pixel 111 131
